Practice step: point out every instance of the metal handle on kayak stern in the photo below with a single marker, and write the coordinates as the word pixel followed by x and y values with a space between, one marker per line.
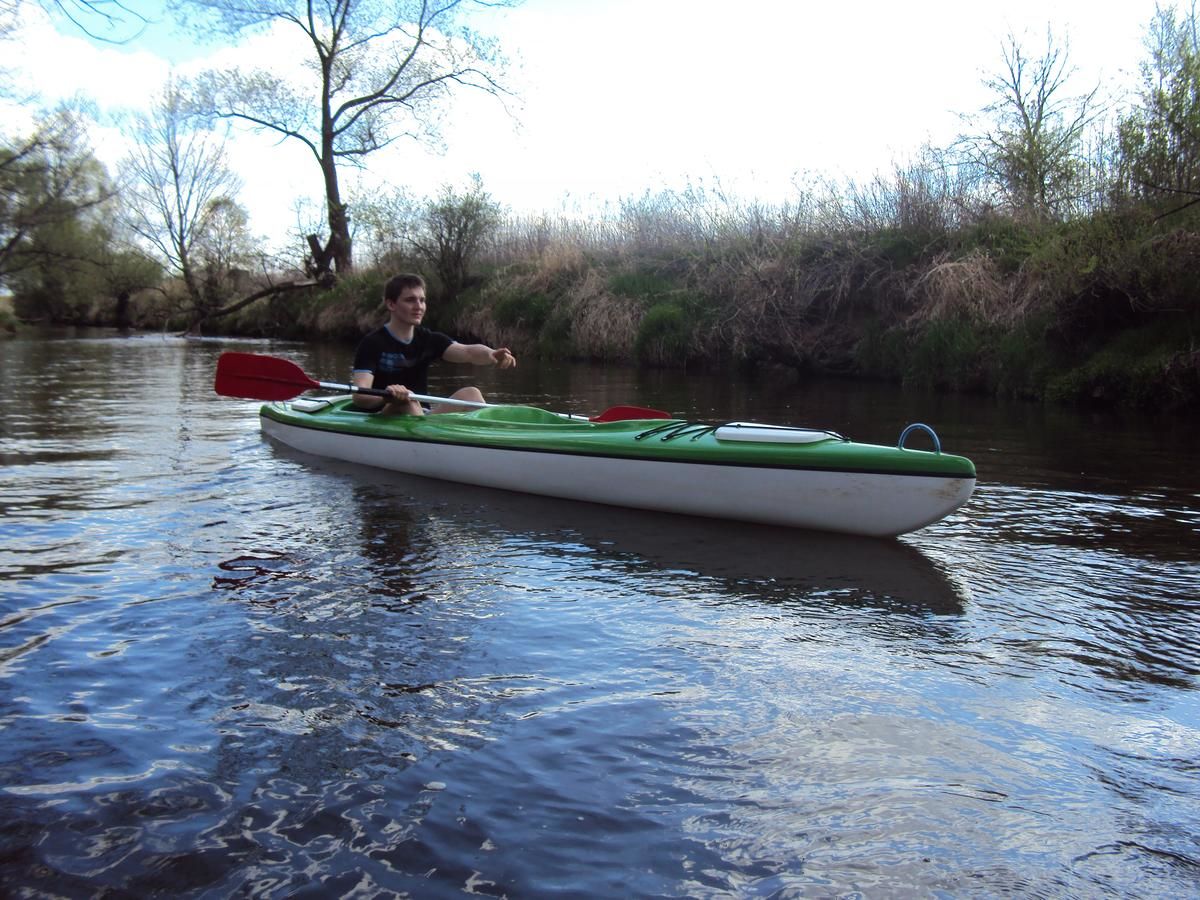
pixel 937 445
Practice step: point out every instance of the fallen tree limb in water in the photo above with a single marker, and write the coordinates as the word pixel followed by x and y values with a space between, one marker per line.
pixel 325 281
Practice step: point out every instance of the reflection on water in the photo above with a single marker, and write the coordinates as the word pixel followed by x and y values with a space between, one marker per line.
pixel 227 668
pixel 745 561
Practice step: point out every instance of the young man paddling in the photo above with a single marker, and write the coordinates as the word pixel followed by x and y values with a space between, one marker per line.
pixel 396 356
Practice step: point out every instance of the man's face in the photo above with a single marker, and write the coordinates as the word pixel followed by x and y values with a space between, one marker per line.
pixel 409 307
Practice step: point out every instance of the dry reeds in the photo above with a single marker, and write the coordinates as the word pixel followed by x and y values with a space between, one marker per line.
pixel 971 288
pixel 603 326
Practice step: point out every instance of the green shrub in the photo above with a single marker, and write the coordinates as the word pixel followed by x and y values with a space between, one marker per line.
pixel 1110 379
pixel 902 247
pixel 1022 360
pixel 1009 242
pixel 881 352
pixel 946 353
pixel 639 285
pixel 1143 367
pixel 521 311
pixel 554 338
pixel 664 335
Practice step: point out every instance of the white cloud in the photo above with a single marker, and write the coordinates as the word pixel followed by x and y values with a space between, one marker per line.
pixel 56 65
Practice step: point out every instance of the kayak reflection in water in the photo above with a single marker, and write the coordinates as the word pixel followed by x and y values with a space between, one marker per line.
pixel 396 356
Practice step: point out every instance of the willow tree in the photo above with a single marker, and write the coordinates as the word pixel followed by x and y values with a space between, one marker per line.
pixel 378 70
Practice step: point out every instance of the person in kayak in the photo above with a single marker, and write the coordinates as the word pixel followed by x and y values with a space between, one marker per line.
pixel 396 356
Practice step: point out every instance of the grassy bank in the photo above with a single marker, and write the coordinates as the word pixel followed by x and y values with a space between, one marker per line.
pixel 1101 310
pixel 1104 310
pixel 890 283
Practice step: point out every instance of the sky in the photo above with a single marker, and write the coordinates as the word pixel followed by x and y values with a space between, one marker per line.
pixel 616 98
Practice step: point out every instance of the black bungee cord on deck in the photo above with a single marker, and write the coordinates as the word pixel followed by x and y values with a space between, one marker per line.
pixel 673 430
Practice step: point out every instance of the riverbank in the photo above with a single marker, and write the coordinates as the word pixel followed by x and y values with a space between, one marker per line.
pixel 1100 310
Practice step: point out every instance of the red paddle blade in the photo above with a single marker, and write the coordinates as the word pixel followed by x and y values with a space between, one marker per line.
pixel 623 413
pixel 255 377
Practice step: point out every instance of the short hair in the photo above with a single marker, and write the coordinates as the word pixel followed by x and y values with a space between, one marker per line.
pixel 398 284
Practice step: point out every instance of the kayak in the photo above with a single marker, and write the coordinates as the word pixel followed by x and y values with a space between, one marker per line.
pixel 775 475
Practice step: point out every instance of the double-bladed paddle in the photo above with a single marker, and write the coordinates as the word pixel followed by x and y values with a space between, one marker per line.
pixel 253 376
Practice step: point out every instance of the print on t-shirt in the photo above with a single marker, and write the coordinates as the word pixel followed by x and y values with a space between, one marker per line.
pixel 393 361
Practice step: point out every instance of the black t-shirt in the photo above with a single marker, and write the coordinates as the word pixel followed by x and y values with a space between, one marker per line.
pixel 393 361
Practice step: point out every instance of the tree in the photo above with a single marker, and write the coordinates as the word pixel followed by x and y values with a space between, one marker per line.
pixel 125 270
pixel 452 229
pixel 80 273
pixel 225 248
pixel 1160 140
pixel 384 224
pixel 1029 148
pixel 177 190
pixel 381 69
pixel 48 180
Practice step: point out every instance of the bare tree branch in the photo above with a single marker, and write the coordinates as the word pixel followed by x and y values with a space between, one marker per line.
pixel 381 70
pixel 174 179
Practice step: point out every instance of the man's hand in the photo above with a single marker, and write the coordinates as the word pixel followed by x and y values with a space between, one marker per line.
pixel 398 394
pixel 400 402
pixel 503 358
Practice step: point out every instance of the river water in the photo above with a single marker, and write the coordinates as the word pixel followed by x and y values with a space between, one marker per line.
pixel 227 669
